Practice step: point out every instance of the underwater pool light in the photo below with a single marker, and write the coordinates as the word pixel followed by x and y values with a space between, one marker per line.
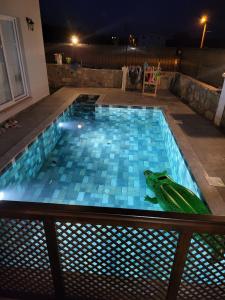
pixel 2 194
pixel 79 126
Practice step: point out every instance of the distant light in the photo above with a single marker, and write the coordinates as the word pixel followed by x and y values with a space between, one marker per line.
pixel 2 195
pixel 79 126
pixel 204 19
pixel 74 40
pixel 132 48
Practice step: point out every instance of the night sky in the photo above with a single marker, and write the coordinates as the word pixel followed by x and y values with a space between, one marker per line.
pixel 120 17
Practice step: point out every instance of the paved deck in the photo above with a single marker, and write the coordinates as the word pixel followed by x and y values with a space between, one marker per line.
pixel 202 144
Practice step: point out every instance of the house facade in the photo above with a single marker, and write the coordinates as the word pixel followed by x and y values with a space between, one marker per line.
pixel 23 72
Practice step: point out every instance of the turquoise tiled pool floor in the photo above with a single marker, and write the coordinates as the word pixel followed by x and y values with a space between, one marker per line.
pixel 100 158
pixel 103 162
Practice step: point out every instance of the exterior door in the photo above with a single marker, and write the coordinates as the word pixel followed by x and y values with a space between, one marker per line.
pixel 13 85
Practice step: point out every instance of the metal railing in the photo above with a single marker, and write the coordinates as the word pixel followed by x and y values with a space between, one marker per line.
pixel 75 252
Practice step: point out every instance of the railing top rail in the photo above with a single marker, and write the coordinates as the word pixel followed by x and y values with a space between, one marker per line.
pixel 113 216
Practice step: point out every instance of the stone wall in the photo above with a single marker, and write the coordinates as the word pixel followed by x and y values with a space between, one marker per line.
pixel 200 96
pixel 206 65
pixel 66 75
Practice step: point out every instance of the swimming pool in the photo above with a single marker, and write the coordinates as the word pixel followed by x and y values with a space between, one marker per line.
pixel 96 155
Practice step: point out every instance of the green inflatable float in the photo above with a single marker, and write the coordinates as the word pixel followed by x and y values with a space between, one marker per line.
pixel 172 196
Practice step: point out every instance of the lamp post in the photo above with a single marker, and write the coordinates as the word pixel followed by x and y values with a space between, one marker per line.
pixel 203 21
pixel 74 39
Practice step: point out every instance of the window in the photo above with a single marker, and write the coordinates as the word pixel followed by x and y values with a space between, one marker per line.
pixel 13 85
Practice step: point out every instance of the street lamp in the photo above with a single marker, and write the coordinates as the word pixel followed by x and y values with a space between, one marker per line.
pixel 74 40
pixel 203 21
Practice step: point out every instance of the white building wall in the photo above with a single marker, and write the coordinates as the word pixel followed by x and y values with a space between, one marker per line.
pixel 33 51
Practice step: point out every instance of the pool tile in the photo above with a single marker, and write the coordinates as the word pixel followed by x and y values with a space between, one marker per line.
pixel 102 164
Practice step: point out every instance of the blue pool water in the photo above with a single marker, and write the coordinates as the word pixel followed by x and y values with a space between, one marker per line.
pixel 96 156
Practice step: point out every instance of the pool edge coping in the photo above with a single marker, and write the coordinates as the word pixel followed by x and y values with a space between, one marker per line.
pixel 19 148
pixel 196 168
pixel 210 193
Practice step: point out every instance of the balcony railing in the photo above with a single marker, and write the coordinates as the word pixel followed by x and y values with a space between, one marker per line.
pixel 72 252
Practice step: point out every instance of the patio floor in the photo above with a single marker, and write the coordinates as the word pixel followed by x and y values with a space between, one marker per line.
pixel 202 144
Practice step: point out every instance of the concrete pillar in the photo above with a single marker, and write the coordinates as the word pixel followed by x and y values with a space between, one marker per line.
pixel 124 77
pixel 221 105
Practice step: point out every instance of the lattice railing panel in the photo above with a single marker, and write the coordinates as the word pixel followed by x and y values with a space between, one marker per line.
pixel 24 263
pixel 204 272
pixel 114 262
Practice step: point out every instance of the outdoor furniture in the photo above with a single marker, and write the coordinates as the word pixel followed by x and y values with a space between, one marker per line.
pixel 151 81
